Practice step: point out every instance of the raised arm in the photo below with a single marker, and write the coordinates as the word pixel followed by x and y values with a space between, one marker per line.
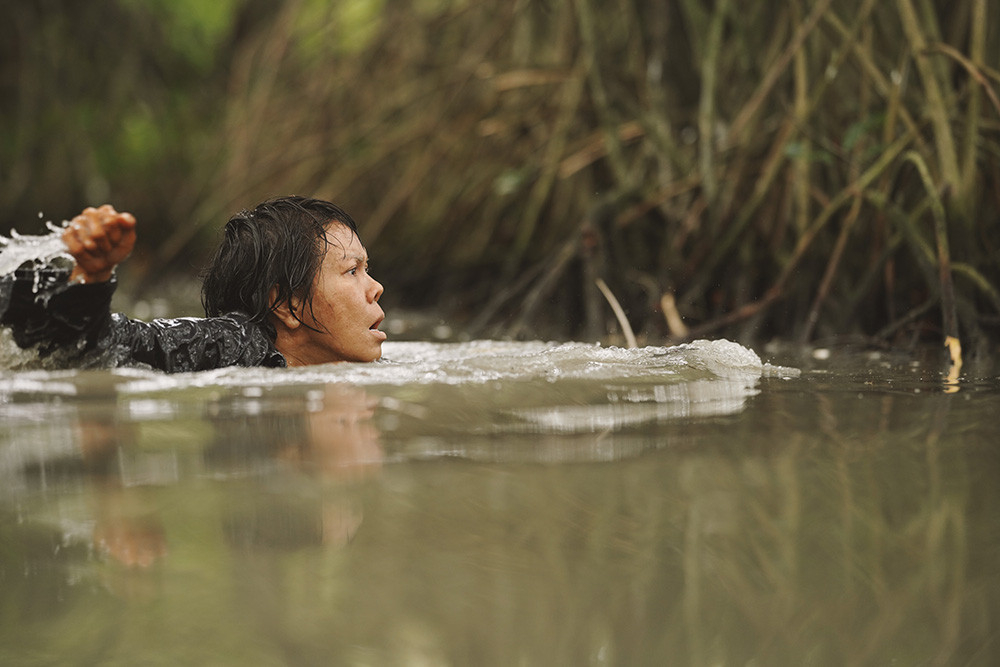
pixel 99 239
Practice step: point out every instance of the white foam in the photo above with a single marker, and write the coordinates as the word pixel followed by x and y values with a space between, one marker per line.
pixel 18 249
pixel 483 361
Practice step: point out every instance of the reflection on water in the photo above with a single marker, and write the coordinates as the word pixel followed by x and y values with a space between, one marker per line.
pixel 501 503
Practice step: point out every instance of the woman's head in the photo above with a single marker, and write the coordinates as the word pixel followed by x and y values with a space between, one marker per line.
pixel 270 257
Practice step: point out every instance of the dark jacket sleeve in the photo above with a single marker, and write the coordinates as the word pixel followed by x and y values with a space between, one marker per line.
pixel 189 344
pixel 73 323
pixel 44 310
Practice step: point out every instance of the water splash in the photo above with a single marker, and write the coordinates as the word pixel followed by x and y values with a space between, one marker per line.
pixel 486 361
pixel 534 387
pixel 17 249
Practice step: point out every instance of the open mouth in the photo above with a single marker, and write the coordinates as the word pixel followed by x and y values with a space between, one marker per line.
pixel 379 335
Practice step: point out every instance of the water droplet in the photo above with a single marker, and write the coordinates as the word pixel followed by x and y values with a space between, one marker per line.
pixel 18 249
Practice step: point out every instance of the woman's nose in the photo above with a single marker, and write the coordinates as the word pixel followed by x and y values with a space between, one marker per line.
pixel 377 292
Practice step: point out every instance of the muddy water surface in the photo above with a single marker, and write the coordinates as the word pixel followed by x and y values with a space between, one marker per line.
pixel 503 503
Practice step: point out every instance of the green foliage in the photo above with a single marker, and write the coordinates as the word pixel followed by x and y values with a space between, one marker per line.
pixel 326 29
pixel 140 139
pixel 195 29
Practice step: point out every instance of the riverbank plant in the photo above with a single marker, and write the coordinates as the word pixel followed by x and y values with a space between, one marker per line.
pixel 806 170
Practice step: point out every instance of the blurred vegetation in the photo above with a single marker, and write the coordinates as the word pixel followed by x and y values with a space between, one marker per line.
pixel 795 169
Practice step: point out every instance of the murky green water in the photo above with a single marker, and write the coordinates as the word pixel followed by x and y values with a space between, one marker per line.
pixel 499 504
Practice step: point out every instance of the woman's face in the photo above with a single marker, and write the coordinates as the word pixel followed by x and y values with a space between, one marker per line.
pixel 345 310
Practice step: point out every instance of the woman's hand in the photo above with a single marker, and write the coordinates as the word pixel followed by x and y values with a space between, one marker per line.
pixel 99 239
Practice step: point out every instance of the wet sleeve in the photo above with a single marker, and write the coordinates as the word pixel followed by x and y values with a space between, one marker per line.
pixel 42 309
pixel 189 344
pixel 74 324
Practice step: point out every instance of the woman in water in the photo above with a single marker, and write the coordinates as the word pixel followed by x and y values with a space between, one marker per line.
pixel 288 286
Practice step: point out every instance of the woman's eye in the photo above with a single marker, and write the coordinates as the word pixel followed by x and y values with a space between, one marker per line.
pixel 354 270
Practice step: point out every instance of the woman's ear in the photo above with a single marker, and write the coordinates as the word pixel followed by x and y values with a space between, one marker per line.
pixel 284 311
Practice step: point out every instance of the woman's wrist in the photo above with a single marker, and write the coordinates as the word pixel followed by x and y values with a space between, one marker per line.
pixel 79 275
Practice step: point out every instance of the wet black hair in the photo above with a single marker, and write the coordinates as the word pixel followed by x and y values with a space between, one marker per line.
pixel 279 243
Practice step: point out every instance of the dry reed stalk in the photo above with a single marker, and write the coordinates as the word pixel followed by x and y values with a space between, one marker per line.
pixel 419 132
pixel 675 323
pixel 776 158
pixel 801 161
pixel 888 87
pixel 619 313
pixel 831 269
pixel 550 163
pixel 402 189
pixel 742 121
pixel 669 191
pixel 805 241
pixel 947 289
pixel 243 125
pixel 850 220
pixel 909 318
pixel 979 280
pixel 946 153
pixel 718 248
pixel 595 147
pixel 977 51
pixel 597 89
pixel 878 269
pixel 894 111
pixel 554 269
pixel 706 104
pixel 501 297
pixel 981 76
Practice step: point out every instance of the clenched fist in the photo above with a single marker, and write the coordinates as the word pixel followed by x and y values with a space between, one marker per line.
pixel 99 239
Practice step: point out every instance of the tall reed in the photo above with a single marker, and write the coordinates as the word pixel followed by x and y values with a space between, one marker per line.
pixel 778 168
